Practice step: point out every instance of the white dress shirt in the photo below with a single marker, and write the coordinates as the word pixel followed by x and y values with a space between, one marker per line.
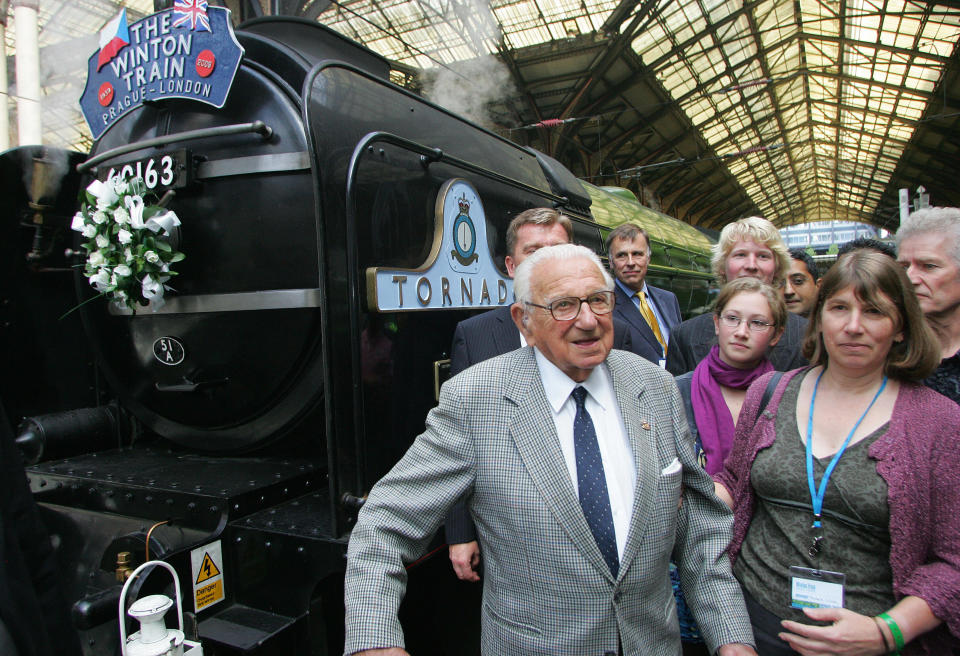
pixel 615 451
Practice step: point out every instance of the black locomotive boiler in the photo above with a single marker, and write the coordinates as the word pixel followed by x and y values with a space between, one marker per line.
pixel 308 330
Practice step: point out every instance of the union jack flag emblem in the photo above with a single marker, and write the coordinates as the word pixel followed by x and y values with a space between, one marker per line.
pixel 192 13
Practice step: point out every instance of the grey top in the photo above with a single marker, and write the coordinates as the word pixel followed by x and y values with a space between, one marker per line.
pixel 855 520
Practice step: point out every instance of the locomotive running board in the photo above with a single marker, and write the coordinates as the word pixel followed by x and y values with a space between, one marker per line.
pixel 270 299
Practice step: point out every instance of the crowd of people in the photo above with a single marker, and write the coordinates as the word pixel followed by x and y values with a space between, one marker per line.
pixel 791 490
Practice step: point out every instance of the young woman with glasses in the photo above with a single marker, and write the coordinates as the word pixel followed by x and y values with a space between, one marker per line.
pixel 749 318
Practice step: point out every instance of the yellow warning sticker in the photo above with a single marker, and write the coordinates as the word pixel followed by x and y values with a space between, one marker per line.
pixel 209 594
pixel 207 565
pixel 208 569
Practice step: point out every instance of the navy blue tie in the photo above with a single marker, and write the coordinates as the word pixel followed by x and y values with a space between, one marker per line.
pixel 592 482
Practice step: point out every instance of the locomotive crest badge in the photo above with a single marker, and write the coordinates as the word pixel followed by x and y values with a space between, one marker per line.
pixel 464 235
pixel 459 271
pixel 188 52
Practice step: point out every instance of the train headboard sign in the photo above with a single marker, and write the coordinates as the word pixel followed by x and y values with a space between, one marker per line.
pixel 459 271
pixel 188 52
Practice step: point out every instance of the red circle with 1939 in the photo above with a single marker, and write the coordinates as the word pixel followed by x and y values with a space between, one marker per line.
pixel 105 94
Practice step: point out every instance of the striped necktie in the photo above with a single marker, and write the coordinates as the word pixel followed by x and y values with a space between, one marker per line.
pixel 651 318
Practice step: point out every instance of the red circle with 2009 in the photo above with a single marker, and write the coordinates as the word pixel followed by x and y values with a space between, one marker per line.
pixel 206 62
pixel 105 94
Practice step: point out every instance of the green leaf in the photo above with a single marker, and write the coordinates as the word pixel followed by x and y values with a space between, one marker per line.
pixel 177 257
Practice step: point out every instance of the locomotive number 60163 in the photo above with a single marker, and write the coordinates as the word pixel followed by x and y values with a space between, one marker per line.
pixel 159 172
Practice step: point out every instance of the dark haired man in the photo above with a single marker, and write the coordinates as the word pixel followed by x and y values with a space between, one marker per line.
pixel 652 312
pixel 802 282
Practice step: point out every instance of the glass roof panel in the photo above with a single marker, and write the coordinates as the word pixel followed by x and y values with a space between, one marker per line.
pixel 864 90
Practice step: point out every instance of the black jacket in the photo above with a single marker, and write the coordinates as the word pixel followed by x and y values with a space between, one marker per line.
pixel 32 605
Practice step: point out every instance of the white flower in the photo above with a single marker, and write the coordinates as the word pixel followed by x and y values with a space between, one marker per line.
pixel 120 201
pixel 135 206
pixel 105 194
pixel 165 222
pixel 101 280
pixel 151 288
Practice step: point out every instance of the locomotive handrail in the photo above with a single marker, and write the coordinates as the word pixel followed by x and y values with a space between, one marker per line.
pixel 431 155
pixel 256 127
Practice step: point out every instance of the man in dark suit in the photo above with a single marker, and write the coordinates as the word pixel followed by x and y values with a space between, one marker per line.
pixel 748 248
pixel 579 467
pixel 651 312
pixel 493 333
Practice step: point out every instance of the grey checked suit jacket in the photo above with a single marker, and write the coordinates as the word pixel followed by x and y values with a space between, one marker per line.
pixel 547 590
pixel 493 333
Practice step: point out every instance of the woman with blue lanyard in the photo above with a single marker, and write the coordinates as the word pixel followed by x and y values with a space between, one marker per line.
pixel 846 486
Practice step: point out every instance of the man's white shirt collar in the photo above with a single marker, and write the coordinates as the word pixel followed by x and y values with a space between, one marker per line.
pixel 558 385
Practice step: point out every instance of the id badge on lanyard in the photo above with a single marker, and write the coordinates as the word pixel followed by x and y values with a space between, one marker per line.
pixel 818 588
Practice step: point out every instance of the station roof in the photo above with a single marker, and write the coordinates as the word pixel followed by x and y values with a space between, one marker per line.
pixel 797 110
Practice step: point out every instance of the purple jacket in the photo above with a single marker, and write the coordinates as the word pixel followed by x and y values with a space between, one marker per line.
pixel 919 458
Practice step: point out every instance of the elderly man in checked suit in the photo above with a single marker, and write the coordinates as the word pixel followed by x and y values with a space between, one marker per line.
pixel 575 458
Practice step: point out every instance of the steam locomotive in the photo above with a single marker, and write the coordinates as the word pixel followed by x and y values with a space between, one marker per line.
pixel 336 227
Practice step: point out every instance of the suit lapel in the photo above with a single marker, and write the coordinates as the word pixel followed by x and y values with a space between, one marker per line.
pixel 535 435
pixel 661 298
pixel 637 413
pixel 631 314
pixel 505 335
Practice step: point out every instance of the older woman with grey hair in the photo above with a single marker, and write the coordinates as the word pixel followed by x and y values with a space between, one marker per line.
pixel 928 247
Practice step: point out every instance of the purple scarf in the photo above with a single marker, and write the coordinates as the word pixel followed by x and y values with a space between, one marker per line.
pixel 714 422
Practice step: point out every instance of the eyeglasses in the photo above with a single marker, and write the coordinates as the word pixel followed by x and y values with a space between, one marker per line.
pixel 568 307
pixel 755 325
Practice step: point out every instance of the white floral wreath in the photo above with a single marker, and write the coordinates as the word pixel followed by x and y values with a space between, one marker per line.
pixel 128 254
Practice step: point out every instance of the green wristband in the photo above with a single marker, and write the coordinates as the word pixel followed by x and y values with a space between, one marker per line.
pixel 894 631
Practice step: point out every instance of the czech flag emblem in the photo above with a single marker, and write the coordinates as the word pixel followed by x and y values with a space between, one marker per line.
pixel 192 13
pixel 113 38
